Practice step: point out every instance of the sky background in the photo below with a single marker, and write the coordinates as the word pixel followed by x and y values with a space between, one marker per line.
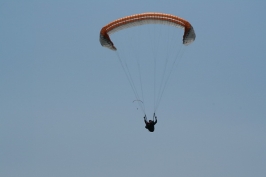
pixel 66 106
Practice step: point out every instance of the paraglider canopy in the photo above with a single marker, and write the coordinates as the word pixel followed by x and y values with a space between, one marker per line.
pixel 146 18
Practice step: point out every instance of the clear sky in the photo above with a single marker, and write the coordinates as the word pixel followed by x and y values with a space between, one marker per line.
pixel 66 105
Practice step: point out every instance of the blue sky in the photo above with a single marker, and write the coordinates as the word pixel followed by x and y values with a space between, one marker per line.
pixel 66 106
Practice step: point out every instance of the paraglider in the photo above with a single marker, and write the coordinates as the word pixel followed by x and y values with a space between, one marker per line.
pixel 151 123
pixel 154 42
